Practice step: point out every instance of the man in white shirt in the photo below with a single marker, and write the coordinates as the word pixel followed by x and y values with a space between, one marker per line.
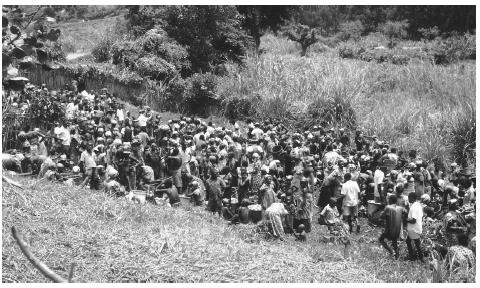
pixel 351 191
pixel 257 132
pixel 378 178
pixel 142 119
pixel 414 226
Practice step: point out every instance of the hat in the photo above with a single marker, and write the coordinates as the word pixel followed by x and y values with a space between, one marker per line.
pixel 289 177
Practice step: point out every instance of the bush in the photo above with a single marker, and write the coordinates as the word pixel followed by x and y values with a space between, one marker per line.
pixel 174 95
pixel 452 49
pixel 430 33
pixel 101 52
pixel 239 108
pixel 351 30
pixel 350 50
pixel 155 68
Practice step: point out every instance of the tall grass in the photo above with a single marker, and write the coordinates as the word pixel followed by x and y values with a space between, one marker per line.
pixel 416 106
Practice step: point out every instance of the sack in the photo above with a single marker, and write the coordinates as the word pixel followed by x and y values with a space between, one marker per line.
pixel 403 234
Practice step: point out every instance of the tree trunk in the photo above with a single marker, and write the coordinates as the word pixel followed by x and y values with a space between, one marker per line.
pixel 304 50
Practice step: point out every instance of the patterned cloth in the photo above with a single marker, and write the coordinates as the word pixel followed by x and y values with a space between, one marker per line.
pixel 459 257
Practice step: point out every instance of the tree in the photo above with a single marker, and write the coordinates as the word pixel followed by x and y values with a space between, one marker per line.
pixel 211 34
pixel 257 19
pixel 22 37
pixel 301 34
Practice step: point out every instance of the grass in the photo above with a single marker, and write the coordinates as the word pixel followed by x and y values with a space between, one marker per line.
pixel 414 106
pixel 81 37
pixel 111 240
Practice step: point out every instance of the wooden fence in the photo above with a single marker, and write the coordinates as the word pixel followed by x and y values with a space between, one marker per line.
pixel 60 78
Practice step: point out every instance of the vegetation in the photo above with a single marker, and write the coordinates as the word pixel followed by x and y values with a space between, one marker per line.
pixel 111 240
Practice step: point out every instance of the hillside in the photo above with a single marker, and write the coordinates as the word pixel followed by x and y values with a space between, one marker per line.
pixel 81 37
pixel 111 240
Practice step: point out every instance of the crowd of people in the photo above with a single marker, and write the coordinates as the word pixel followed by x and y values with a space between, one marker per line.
pixel 246 171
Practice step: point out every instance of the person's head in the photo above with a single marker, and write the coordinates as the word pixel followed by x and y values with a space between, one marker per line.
pixel 393 199
pixel 399 190
pixel 412 197
pixel 347 177
pixel 268 179
pixel 168 183
pixel 300 228
pixel 243 173
pixel 214 173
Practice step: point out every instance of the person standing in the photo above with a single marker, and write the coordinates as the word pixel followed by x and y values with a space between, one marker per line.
pixel 414 226
pixel 351 190
pixel 393 215
pixel 215 188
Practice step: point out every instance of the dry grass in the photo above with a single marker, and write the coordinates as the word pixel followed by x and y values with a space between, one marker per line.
pixel 111 240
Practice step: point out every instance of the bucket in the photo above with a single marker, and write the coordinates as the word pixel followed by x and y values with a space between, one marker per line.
pixel 372 207
pixel 140 196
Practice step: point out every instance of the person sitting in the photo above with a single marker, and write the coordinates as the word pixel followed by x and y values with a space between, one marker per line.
pixel 300 234
pixel 329 215
pixel 171 192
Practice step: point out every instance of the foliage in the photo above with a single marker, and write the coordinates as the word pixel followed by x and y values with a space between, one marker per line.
pixel 139 21
pixel 39 44
pixel 301 34
pixel 336 111
pixel 101 51
pixel 200 95
pixel 157 42
pixel 463 136
pixel 257 19
pixel 394 31
pixel 155 68
pixel 430 33
pixel 211 34
pixel 454 48
pixel 447 18
pixel 350 51
pixel 351 30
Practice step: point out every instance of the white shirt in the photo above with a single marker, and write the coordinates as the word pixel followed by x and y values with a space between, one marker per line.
pixel 378 177
pixel 415 212
pixel 142 120
pixel 351 190
pixel 65 136
pixel 120 115
pixel 258 133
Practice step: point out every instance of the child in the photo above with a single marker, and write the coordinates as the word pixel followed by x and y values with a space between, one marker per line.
pixel 300 234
